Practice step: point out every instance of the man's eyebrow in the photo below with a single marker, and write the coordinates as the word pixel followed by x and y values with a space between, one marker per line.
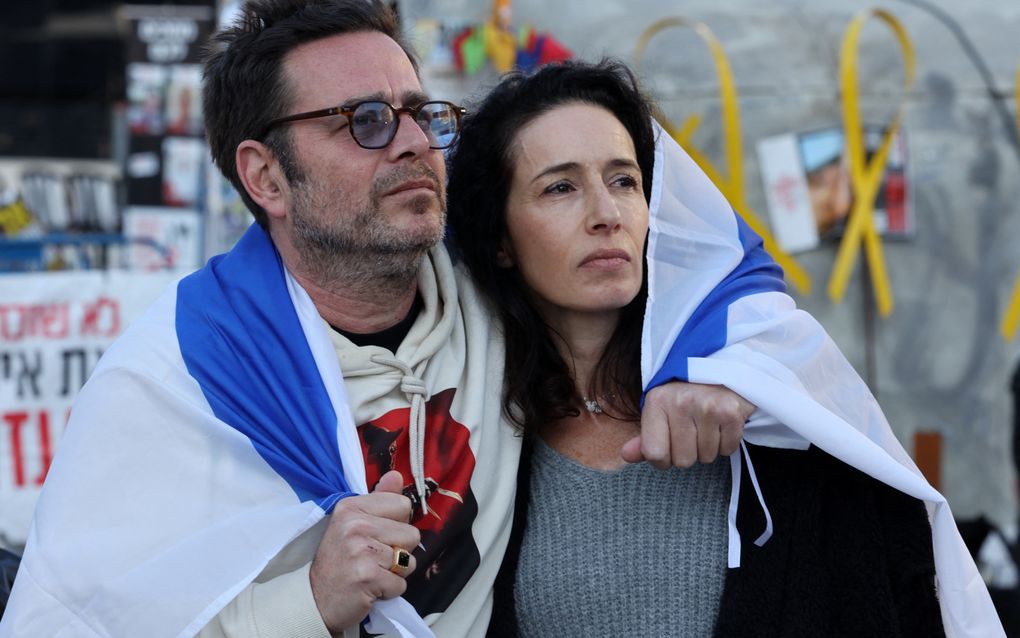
pixel 368 97
pixel 408 98
pixel 413 98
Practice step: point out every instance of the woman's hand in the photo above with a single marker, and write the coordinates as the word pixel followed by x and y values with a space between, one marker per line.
pixel 683 423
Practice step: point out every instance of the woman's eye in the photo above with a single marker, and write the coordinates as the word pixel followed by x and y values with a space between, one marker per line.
pixel 559 188
pixel 626 181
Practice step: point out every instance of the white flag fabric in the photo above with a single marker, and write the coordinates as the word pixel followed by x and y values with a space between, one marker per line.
pixel 718 314
pixel 213 433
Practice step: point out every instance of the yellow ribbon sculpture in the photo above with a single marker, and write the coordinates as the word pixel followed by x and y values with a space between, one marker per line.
pixel 1012 316
pixel 732 185
pixel 866 176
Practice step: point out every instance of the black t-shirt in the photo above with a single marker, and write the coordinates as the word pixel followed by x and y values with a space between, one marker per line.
pixel 389 338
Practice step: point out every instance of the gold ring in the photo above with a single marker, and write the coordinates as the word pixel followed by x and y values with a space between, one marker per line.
pixel 401 560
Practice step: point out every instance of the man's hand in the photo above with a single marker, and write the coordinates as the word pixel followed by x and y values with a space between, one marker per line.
pixel 686 422
pixel 351 568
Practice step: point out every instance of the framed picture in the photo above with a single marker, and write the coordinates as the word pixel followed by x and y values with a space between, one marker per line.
pixel 809 192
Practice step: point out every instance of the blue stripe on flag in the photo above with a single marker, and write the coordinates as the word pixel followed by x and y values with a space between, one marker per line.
pixel 242 342
pixel 705 331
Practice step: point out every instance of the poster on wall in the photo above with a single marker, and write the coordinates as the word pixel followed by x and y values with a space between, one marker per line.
pixel 146 84
pixel 809 193
pixel 53 329
pixel 183 170
pixel 160 238
pixel 164 114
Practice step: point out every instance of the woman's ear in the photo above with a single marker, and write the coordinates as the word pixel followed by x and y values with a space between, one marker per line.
pixel 504 256
pixel 262 177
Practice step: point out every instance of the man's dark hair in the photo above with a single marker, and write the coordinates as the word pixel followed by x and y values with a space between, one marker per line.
pixel 244 84
pixel 539 386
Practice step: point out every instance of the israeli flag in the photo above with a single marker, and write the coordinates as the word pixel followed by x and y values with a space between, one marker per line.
pixel 718 314
pixel 212 434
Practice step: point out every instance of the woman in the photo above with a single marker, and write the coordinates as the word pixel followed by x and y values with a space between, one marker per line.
pixel 548 202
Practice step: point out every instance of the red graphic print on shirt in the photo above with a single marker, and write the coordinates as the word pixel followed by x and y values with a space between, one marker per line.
pixel 447 556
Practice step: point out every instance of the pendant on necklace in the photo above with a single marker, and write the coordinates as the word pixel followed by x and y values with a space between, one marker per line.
pixel 592 405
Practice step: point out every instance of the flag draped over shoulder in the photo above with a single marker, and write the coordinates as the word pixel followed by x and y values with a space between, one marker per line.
pixel 718 314
pixel 213 433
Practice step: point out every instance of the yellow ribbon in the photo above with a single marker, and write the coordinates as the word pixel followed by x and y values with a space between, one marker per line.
pixel 866 176
pixel 731 185
pixel 14 217
pixel 1012 316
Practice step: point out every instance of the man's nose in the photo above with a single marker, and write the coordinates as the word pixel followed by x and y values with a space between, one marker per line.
pixel 410 140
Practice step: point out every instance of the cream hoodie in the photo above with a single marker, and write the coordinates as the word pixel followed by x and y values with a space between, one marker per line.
pixel 431 410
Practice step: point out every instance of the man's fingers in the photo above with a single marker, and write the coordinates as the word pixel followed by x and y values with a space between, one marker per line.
pixel 730 435
pixel 386 501
pixel 631 451
pixel 388 585
pixel 708 442
pixel 684 423
pixel 398 559
pixel 379 517
pixel 355 562
pixel 685 440
pixel 655 436
pixel 392 481
pixel 395 507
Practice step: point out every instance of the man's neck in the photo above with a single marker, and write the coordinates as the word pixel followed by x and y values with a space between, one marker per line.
pixel 358 310
pixel 358 293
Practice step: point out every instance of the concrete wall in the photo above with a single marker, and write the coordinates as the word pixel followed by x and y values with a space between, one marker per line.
pixel 939 362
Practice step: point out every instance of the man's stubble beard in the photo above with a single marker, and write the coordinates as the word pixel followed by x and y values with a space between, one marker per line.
pixel 340 242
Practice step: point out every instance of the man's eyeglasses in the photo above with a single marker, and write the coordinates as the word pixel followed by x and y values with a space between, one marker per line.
pixel 373 124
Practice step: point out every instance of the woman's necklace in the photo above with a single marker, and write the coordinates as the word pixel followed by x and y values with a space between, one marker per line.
pixel 592 405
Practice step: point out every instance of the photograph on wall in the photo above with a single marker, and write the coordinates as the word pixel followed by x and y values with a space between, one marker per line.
pixel 183 170
pixel 184 100
pixel 146 87
pixel 809 192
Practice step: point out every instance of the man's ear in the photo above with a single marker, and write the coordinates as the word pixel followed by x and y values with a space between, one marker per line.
pixel 262 176
pixel 504 256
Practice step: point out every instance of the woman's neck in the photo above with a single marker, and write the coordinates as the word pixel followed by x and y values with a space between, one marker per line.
pixel 581 338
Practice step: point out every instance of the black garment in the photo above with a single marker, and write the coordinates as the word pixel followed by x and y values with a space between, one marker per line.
pixel 849 556
pixel 389 338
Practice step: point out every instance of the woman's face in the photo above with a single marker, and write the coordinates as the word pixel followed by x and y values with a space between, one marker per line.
pixel 576 213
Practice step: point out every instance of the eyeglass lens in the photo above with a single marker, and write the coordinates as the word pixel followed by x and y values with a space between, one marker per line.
pixel 374 124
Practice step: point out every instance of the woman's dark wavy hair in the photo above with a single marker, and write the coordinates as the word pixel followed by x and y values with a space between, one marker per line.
pixel 539 388
pixel 244 85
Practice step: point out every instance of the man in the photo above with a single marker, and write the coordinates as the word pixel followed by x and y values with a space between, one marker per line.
pixel 202 457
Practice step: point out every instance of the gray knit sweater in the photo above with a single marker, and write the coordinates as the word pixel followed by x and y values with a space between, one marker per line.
pixel 600 545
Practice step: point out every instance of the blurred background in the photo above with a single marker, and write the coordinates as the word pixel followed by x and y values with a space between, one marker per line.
pixel 107 193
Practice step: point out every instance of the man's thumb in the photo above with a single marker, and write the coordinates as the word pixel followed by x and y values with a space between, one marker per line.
pixel 631 451
pixel 392 481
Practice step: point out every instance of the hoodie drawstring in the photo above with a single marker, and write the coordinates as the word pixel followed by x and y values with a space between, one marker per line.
pixel 414 388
